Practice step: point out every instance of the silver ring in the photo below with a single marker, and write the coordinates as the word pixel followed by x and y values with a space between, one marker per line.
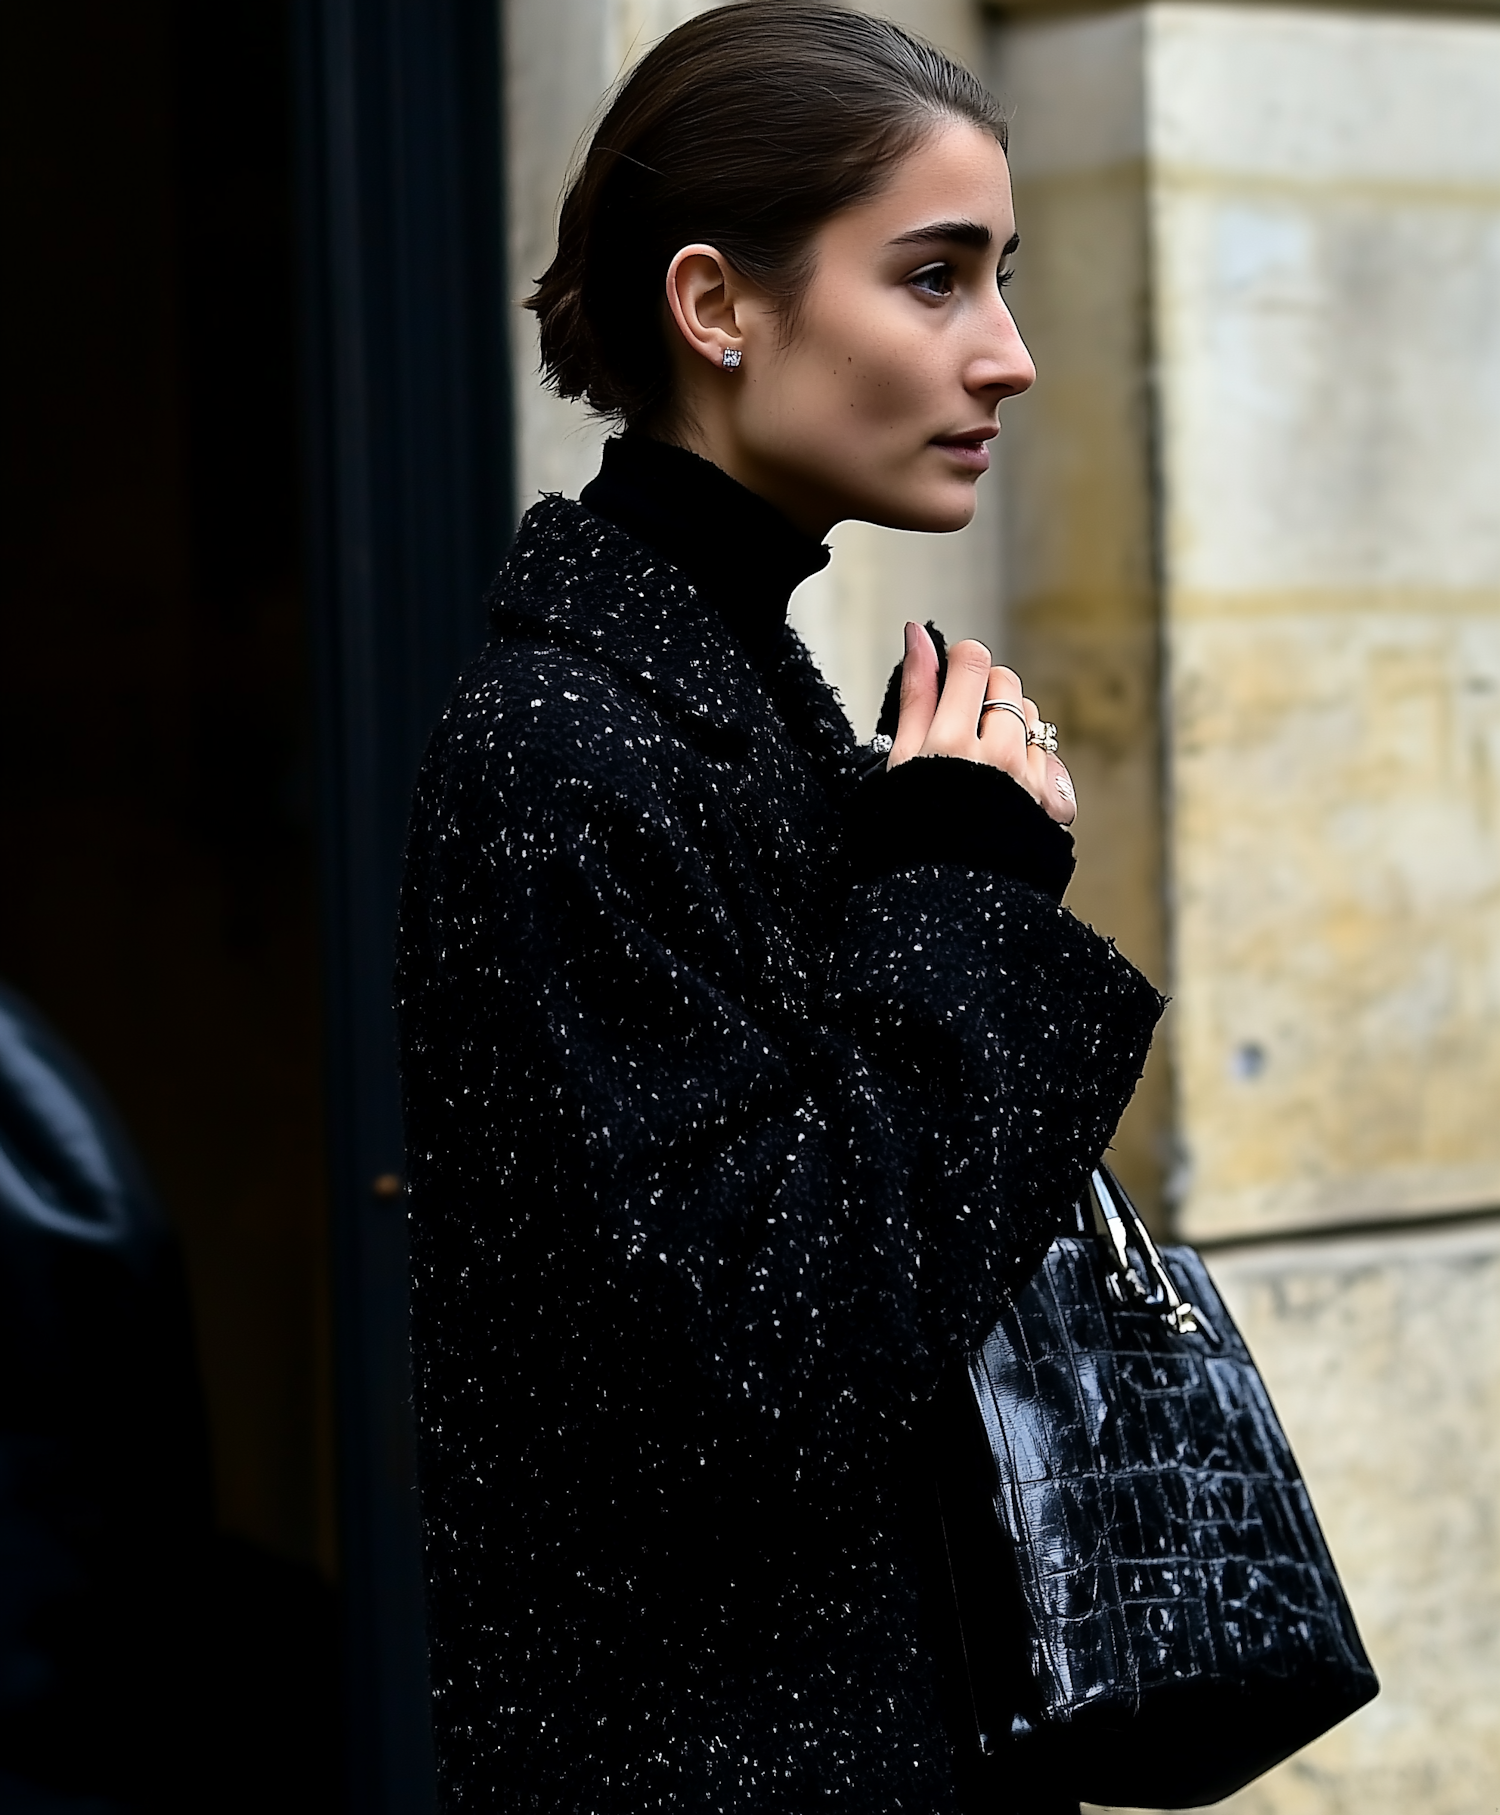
pixel 1006 706
pixel 1044 737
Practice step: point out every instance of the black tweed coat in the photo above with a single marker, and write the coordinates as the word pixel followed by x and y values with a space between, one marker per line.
pixel 721 1147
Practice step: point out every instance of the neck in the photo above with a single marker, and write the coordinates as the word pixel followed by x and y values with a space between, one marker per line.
pixel 742 554
pixel 706 433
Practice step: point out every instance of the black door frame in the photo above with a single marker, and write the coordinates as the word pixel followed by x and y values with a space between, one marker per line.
pixel 409 512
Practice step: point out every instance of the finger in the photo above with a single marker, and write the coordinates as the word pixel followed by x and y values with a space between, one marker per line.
pixel 1036 759
pixel 919 695
pixel 1038 775
pixel 1002 735
pixel 1046 775
pixel 954 730
pixel 1058 795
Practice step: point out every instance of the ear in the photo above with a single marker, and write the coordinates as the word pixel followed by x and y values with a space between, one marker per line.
pixel 702 293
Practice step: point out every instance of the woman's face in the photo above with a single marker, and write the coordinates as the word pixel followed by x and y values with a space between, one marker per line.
pixel 879 403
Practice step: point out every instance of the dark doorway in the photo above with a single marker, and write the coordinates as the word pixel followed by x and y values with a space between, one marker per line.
pixel 156 796
pixel 157 786
pixel 410 512
pixel 255 474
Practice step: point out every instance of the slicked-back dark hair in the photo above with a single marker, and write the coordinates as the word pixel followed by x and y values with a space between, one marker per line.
pixel 746 128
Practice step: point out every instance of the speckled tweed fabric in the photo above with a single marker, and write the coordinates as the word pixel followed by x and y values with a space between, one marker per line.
pixel 716 1159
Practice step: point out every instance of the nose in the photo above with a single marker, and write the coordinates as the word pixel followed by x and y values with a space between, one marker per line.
pixel 1001 366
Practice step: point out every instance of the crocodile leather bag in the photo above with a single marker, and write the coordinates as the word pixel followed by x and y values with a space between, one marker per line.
pixel 1148 1613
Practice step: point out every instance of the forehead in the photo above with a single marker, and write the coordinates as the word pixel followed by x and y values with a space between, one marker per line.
pixel 957 172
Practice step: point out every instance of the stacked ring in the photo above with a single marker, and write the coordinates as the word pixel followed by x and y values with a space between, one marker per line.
pixel 1006 706
pixel 1042 734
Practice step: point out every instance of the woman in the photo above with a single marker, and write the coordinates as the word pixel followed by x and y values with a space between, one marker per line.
pixel 745 1071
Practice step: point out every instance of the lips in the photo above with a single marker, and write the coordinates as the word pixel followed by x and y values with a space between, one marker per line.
pixel 968 449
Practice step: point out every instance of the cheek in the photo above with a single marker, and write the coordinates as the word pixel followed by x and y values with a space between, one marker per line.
pixel 864 370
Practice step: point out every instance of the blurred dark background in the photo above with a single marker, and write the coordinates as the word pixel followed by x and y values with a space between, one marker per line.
pixel 156 795
pixel 242 553
pixel 156 790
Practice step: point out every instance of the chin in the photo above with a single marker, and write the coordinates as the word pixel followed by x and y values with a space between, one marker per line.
pixel 930 510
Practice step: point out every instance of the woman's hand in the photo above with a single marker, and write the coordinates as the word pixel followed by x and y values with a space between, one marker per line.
pixel 957 724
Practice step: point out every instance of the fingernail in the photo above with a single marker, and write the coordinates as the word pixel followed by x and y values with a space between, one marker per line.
pixel 911 636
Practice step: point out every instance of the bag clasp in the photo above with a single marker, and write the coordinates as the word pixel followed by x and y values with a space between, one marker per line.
pixel 1123 1228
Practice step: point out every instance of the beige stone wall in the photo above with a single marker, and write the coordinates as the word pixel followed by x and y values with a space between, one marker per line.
pixel 1383 1358
pixel 562 57
pixel 1326 235
pixel 1261 273
pixel 1290 218
pixel 1082 605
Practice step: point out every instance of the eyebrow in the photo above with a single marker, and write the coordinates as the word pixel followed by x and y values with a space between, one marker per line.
pixel 962 233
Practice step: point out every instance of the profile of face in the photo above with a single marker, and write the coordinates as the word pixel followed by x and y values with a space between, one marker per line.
pixel 877 398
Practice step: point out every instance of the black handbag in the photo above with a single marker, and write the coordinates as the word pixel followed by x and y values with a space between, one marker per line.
pixel 1147 1613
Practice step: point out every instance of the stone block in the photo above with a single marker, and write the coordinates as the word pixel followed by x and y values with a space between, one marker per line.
pixel 1082 597
pixel 1325 197
pixel 1252 551
pixel 1382 1355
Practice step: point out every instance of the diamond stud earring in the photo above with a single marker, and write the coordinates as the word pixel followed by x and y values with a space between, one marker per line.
pixel 732 357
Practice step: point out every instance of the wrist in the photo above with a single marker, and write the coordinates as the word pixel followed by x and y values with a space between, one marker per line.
pixel 944 809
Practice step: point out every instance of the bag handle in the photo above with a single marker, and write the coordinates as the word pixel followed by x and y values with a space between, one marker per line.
pixel 1124 1227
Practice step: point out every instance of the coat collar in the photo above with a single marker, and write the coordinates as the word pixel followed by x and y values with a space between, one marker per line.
pixel 585 584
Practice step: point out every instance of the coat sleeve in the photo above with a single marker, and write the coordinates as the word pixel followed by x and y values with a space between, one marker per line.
pixel 816 1157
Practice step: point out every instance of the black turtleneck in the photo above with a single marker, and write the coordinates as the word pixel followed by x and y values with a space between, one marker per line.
pixel 746 559
pixel 741 553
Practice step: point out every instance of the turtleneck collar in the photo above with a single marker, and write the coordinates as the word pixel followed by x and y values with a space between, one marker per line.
pixel 744 557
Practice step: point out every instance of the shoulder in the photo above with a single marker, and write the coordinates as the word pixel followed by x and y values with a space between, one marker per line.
pixel 578 613
pixel 600 649
pixel 533 715
pixel 584 578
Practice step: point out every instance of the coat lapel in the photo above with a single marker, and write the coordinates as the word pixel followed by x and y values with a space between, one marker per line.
pixel 581 582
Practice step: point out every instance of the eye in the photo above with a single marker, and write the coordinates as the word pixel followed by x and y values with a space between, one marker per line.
pixel 933 280
pixel 1002 278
